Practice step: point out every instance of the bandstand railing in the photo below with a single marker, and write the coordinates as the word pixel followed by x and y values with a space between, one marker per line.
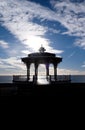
pixel 19 78
pixel 50 78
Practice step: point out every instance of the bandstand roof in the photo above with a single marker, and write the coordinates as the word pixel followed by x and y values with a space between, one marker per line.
pixel 41 57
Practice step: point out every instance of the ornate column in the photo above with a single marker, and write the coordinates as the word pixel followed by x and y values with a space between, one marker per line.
pixel 47 70
pixel 36 71
pixel 55 72
pixel 28 71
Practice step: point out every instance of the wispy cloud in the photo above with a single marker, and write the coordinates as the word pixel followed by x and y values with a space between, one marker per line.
pixel 70 72
pixel 83 65
pixel 11 63
pixel 18 20
pixel 4 44
pixel 72 16
pixel 80 42
pixel 72 54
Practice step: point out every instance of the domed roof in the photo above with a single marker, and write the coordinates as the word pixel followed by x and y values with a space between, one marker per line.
pixel 41 57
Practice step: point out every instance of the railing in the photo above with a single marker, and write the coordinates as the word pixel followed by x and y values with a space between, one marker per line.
pixel 50 78
pixel 64 78
pixel 19 78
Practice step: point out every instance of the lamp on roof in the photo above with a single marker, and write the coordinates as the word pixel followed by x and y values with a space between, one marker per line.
pixel 42 49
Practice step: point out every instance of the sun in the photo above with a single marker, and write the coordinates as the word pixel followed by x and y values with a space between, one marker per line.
pixel 34 42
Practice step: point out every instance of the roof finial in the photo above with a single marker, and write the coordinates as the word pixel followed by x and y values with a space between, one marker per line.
pixel 42 49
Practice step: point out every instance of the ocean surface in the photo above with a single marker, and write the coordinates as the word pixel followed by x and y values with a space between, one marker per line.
pixel 74 79
pixel 6 79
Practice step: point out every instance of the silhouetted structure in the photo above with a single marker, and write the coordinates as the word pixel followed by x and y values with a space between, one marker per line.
pixel 41 57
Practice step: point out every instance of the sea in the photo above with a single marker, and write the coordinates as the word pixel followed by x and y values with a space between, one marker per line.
pixel 74 79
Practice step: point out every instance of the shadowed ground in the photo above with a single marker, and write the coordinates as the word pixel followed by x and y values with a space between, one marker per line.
pixel 58 89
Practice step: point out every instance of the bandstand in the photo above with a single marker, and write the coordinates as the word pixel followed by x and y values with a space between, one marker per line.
pixel 38 58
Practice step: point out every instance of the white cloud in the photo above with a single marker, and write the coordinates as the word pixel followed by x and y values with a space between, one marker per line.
pixel 70 72
pixel 26 52
pixel 18 20
pixel 72 16
pixel 4 44
pixel 80 42
pixel 83 65
pixel 12 63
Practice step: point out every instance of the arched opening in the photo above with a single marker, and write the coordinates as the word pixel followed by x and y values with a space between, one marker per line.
pixel 41 70
pixel 51 71
pixel 42 74
pixel 32 71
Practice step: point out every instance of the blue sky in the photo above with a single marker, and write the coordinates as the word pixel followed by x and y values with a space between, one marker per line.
pixel 59 25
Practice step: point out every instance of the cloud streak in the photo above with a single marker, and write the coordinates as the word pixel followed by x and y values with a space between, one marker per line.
pixel 71 55
pixel 4 44
pixel 72 16
pixel 13 65
pixel 18 20
pixel 70 72
pixel 11 62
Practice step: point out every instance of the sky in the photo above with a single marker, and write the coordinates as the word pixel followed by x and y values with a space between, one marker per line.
pixel 59 25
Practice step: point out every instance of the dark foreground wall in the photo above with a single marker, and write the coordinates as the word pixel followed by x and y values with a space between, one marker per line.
pixel 60 89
